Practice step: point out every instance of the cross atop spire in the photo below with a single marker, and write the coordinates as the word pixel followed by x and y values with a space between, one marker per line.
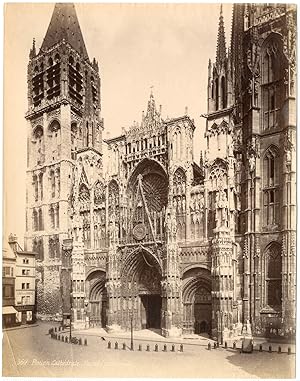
pixel 221 43
pixel 64 25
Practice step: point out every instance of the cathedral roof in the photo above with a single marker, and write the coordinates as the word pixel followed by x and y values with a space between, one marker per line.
pixel 64 25
pixel 221 43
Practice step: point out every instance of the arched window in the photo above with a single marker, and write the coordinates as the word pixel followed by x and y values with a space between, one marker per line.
pixel 99 194
pixel 35 186
pixel 273 276
pixel 38 139
pixel 40 249
pixel 52 183
pixel 54 126
pixel 52 217
pixel 35 223
pixel 41 184
pixel 272 83
pixel 113 194
pixel 84 193
pixel 57 216
pixel 57 174
pixel 53 77
pixel 74 132
pixel 271 187
pixel 217 93
pixel 40 222
pixel 223 89
pixel 55 139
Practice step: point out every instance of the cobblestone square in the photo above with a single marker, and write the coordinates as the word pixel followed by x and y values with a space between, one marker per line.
pixel 31 352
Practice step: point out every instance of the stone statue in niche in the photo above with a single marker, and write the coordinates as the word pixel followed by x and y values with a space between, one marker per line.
pixel 173 227
pixel 251 162
pixel 222 208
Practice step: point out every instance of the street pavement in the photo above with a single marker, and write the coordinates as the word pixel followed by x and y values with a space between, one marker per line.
pixel 31 352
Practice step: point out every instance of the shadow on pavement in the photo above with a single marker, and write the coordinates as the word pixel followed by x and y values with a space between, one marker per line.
pixel 279 365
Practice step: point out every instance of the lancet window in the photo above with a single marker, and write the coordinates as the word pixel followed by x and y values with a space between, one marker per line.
pixel 271 187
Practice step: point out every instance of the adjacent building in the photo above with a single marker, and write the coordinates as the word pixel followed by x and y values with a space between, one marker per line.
pixel 147 235
pixel 8 287
pixel 19 285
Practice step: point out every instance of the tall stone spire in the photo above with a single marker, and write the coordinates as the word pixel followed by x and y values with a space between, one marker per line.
pixel 64 25
pixel 221 43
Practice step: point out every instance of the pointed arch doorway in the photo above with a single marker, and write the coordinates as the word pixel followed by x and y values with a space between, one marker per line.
pixel 142 278
pixel 150 297
pixel 98 302
pixel 197 305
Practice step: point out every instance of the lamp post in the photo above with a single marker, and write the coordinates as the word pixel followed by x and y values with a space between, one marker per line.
pixel 67 247
pixel 131 315
pixel 131 329
pixel 71 302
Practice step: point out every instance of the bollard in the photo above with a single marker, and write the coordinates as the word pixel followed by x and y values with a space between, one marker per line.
pixel 234 345
pixel 156 348
pixel 109 345
pixel 225 344
pixel 116 345
pixel 165 348
pixel 279 349
pixel 209 346
pixel 124 347
pixel 140 347
pixel 148 348
pixel 215 345
pixel 131 347
pixel 173 348
pixel 85 342
pixel 80 341
pixel 270 348
pixel 66 339
pixel 260 348
pixel 289 351
pixel 181 348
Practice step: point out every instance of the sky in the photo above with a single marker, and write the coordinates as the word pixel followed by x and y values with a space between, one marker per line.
pixel 138 46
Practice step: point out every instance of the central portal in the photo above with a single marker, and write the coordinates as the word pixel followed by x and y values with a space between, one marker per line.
pixel 150 311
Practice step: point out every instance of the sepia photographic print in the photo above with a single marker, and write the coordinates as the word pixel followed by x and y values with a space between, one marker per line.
pixel 149 190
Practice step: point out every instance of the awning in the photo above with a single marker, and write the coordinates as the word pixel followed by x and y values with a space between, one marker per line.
pixel 9 310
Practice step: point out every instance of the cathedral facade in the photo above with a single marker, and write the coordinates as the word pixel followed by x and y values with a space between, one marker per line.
pixel 137 232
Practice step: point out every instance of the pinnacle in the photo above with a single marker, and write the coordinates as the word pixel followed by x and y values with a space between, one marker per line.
pixel 221 42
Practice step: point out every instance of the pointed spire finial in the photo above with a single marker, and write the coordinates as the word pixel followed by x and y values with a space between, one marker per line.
pixel 221 42
pixel 32 53
pixel 151 110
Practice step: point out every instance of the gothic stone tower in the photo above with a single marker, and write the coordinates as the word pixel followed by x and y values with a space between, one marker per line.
pixel 63 123
pixel 222 193
pixel 264 59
